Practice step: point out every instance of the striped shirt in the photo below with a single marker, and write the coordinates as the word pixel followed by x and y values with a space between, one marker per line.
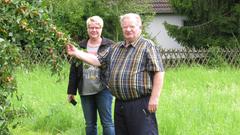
pixel 131 68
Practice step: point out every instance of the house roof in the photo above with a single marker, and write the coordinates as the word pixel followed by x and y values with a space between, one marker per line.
pixel 162 6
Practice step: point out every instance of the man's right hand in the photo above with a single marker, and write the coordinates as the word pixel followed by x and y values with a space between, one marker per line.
pixel 81 55
pixel 71 50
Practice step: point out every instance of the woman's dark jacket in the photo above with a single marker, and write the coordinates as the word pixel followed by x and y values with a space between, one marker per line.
pixel 76 70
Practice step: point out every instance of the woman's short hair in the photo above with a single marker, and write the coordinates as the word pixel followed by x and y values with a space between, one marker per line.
pixel 96 19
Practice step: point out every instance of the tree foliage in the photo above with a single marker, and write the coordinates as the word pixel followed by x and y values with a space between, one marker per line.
pixel 210 23
pixel 72 14
pixel 24 26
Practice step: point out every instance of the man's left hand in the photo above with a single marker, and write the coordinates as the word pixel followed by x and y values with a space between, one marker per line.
pixel 153 104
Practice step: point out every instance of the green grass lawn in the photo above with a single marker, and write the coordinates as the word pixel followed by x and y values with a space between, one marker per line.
pixel 194 101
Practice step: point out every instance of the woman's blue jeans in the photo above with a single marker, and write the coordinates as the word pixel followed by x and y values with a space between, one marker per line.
pixel 101 103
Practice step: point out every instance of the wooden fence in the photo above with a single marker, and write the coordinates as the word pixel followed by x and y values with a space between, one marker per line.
pixel 171 57
pixel 189 56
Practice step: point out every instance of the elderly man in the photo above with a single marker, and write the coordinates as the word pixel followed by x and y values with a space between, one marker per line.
pixel 135 77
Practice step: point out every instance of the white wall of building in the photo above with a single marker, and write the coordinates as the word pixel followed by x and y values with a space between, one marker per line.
pixel 156 29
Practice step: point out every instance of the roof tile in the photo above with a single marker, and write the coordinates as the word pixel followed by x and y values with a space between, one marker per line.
pixel 162 6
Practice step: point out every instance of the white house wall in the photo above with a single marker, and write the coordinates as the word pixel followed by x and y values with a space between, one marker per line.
pixel 157 30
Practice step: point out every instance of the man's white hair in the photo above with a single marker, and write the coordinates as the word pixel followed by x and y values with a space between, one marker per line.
pixel 132 15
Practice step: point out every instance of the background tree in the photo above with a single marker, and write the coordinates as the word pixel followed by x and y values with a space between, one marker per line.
pixel 25 27
pixel 72 14
pixel 214 23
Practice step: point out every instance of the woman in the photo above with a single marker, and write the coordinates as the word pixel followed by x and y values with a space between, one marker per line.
pixel 89 81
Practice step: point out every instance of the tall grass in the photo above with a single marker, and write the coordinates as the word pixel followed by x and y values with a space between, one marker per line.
pixel 200 101
pixel 194 101
pixel 45 100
